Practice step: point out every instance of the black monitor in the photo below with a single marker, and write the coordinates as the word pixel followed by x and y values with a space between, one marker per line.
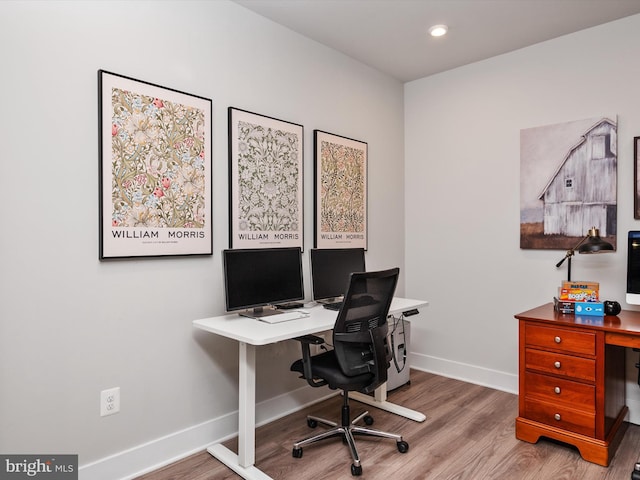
pixel 255 278
pixel 331 268
pixel 633 267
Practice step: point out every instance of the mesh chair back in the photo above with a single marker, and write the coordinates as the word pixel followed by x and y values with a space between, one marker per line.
pixel 360 331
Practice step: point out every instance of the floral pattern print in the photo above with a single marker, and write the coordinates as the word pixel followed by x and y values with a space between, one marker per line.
pixel 342 184
pixel 268 178
pixel 158 170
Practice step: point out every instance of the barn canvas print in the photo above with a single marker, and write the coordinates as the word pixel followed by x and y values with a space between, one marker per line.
pixel 568 183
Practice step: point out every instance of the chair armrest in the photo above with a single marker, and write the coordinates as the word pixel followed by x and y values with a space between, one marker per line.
pixel 307 340
pixel 310 339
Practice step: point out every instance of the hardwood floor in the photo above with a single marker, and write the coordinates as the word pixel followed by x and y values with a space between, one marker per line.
pixel 468 434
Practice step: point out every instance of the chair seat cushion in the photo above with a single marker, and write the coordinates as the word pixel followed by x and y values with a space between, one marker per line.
pixel 326 367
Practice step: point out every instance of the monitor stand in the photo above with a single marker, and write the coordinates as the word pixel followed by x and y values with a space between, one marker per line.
pixel 259 312
pixel 289 306
pixel 331 300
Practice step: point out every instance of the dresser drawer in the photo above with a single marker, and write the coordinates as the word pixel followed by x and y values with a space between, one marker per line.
pixel 557 390
pixel 569 341
pixel 560 364
pixel 561 416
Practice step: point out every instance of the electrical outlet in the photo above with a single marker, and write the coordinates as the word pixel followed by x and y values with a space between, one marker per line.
pixel 109 401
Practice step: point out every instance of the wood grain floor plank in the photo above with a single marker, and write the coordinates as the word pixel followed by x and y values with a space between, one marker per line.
pixel 469 434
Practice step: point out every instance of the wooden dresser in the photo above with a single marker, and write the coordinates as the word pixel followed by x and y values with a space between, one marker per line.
pixel 572 382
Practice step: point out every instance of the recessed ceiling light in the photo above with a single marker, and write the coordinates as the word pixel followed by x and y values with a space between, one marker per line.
pixel 438 30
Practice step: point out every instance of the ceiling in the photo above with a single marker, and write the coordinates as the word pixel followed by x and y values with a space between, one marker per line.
pixel 391 35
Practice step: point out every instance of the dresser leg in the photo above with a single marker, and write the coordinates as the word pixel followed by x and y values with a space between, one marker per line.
pixel 526 431
pixel 592 450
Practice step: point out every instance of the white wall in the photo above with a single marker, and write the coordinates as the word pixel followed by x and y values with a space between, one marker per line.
pixel 462 180
pixel 71 326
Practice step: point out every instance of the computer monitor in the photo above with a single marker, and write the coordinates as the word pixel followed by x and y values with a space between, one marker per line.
pixel 633 268
pixel 330 271
pixel 255 278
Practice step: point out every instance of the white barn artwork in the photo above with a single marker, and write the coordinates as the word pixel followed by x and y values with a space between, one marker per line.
pixel 568 182
pixel 582 191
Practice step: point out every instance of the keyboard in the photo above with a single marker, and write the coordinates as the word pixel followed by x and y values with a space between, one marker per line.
pixel 284 317
pixel 333 306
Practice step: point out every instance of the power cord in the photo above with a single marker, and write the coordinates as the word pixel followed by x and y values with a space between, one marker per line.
pixel 395 323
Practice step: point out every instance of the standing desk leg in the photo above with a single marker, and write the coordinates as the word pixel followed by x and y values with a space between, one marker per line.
pixel 242 463
pixel 247 406
pixel 379 400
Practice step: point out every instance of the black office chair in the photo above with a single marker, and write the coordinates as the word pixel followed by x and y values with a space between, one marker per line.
pixel 359 360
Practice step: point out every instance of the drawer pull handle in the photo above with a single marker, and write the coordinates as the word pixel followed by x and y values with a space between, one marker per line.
pixel 557 417
pixel 557 390
pixel 557 339
pixel 557 365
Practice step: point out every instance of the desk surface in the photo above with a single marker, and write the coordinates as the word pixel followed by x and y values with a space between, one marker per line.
pixel 255 332
pixel 622 329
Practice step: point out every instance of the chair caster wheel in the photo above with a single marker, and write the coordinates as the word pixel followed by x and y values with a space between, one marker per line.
pixel 356 471
pixel 403 447
pixel 635 475
pixel 296 453
pixel 368 420
pixel 311 423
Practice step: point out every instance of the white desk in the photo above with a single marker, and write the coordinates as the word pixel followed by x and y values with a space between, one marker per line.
pixel 251 333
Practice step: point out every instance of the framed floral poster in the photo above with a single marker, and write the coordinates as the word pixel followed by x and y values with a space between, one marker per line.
pixel 265 189
pixel 340 191
pixel 155 170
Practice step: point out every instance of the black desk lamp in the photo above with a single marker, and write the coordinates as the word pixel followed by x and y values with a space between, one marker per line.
pixel 594 244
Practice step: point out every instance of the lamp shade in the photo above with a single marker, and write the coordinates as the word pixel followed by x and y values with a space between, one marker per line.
pixel 590 243
pixel 594 244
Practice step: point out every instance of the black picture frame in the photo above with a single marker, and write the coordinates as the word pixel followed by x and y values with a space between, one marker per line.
pixel 636 179
pixel 266 194
pixel 340 191
pixel 155 170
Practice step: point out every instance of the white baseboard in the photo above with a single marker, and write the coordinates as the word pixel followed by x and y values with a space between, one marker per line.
pixel 634 410
pixel 163 451
pixel 498 380
pixel 503 381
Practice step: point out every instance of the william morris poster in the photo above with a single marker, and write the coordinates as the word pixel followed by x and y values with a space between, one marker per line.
pixel 155 170
pixel 340 191
pixel 265 189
